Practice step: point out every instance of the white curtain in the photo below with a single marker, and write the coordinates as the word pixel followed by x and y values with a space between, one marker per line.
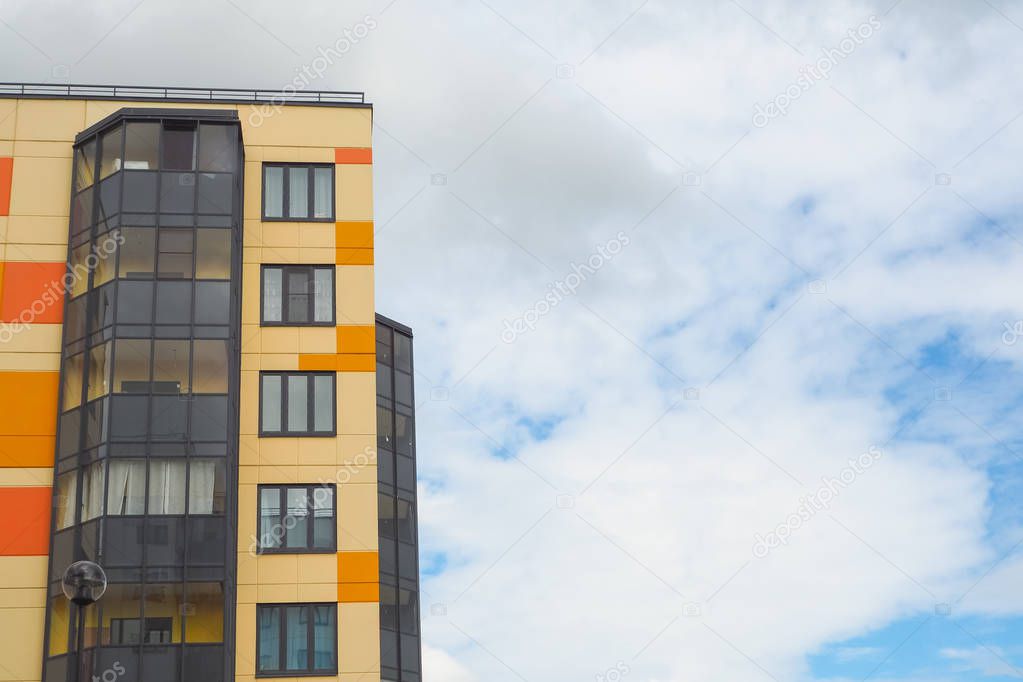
pixel 92 491
pixel 167 486
pixel 201 484
pixel 67 497
pixel 127 481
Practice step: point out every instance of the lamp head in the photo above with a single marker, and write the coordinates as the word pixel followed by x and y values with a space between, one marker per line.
pixel 84 583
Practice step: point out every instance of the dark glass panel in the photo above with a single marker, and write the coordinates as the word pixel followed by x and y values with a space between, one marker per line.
pixel 383 380
pixel 178 147
pixel 85 165
pixel 109 197
pixel 103 307
pixel 218 147
pixel 129 418
pixel 165 540
pixel 173 302
pixel 175 254
pixel 216 193
pixel 406 473
pixel 403 388
pixel 213 254
pixel 136 303
pixel 177 193
pixel 213 303
pixel 169 417
pixel 141 145
pixel 140 191
pixel 123 538
pixel 402 352
pixel 74 320
pixel 81 211
pixel 137 253
pixel 110 152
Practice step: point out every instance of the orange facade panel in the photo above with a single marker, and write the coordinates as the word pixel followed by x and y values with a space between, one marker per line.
pixel 25 523
pixel 358 575
pixel 353 155
pixel 27 451
pixel 352 256
pixel 356 338
pixel 30 404
pixel 6 176
pixel 357 362
pixel 354 234
pixel 32 293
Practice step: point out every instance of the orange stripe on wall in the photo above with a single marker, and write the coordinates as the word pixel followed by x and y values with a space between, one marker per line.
pixel 30 403
pixel 353 155
pixel 356 338
pixel 27 451
pixel 25 522
pixel 6 175
pixel 33 292
pixel 358 576
pixel 356 234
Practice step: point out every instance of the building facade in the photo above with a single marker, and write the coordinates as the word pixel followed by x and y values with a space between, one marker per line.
pixel 199 395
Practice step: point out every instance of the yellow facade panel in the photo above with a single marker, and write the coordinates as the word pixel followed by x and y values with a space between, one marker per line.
pixel 25 477
pixel 360 641
pixel 318 127
pixel 21 630
pixel 356 403
pixel 41 187
pixel 357 518
pixel 355 295
pixel 277 569
pixel 8 119
pixel 354 192
pixel 38 230
pixel 35 253
pixel 58 150
pixel 54 120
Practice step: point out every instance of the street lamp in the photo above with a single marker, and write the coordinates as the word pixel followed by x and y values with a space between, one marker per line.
pixel 84 582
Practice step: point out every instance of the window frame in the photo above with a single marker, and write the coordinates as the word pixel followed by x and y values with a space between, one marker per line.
pixel 282 635
pixel 285 268
pixel 310 405
pixel 310 530
pixel 286 192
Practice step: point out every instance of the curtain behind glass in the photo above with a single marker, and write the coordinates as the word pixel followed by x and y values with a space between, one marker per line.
pixel 298 192
pixel 323 290
pixel 297 652
pixel 167 486
pixel 67 496
pixel 323 637
pixel 201 486
pixel 269 639
pixel 92 491
pixel 273 191
pixel 125 493
pixel 322 196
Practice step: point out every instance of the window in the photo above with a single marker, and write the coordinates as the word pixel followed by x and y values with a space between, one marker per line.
pixel 298 295
pixel 298 192
pixel 297 403
pixel 299 519
pixel 296 638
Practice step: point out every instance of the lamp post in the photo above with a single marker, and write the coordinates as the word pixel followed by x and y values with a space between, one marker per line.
pixel 83 584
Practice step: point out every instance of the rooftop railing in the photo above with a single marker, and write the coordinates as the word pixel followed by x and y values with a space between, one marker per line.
pixel 174 94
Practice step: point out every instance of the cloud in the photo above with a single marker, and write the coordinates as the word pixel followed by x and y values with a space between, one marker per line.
pixel 796 278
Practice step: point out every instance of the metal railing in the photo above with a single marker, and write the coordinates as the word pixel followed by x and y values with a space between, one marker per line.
pixel 143 92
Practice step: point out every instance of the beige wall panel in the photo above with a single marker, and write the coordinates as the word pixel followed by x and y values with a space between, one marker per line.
pixel 278 451
pixel 21 631
pixel 253 206
pixel 279 339
pixel 23 571
pixel 276 594
pixel 4 220
pixel 252 254
pixel 317 568
pixel 250 293
pixel 25 478
pixel 6 146
pixel 249 390
pixel 23 598
pixel 247 511
pixel 41 187
pixel 354 192
pixel 317 340
pixel 23 229
pixel 318 592
pixel 357 403
pixel 251 338
pixel 316 154
pixel 359 630
pixel 57 150
pixel 355 295
pixel 246 594
pixel 277 569
pixel 47 119
pixel 278 474
pixel 281 154
pixel 8 119
pixel 318 235
pixel 30 362
pixel 283 362
pixel 248 450
pixel 252 230
pixel 36 338
pixel 36 253
pixel 357 517
pixel 357 450
pixel 316 451
pixel 246 567
pixel 306 126
pixel 245 634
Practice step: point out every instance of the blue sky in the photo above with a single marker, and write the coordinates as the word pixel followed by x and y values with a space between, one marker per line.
pixel 769 294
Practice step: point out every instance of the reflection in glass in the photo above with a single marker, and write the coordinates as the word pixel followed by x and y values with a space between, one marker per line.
pixel 141 142
pixel 324 526
pixel 204 621
pixel 272 294
pixel 85 165
pixel 298 403
pixel 67 495
pixel 216 193
pixel 271 403
pixel 218 149
pixel 110 153
pixel 323 288
pixel 131 366
pixel 99 371
pixel 136 302
pixel 170 366
pixel 323 402
pixel 297 644
pixel 80 269
pixel 163 609
pixel 122 607
pixel 297 524
pixel 178 147
pixel 213 254
pixel 175 256
pixel 273 191
pixel 137 253
pixel 209 366
pixel 177 192
pixel 324 639
pixel 71 391
pixel 140 191
pixel 270 530
pixel 298 192
pixel 173 302
pixel 212 302
pixel 323 197
pixel 269 638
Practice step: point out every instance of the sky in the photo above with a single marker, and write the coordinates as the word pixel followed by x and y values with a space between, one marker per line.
pixel 717 314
